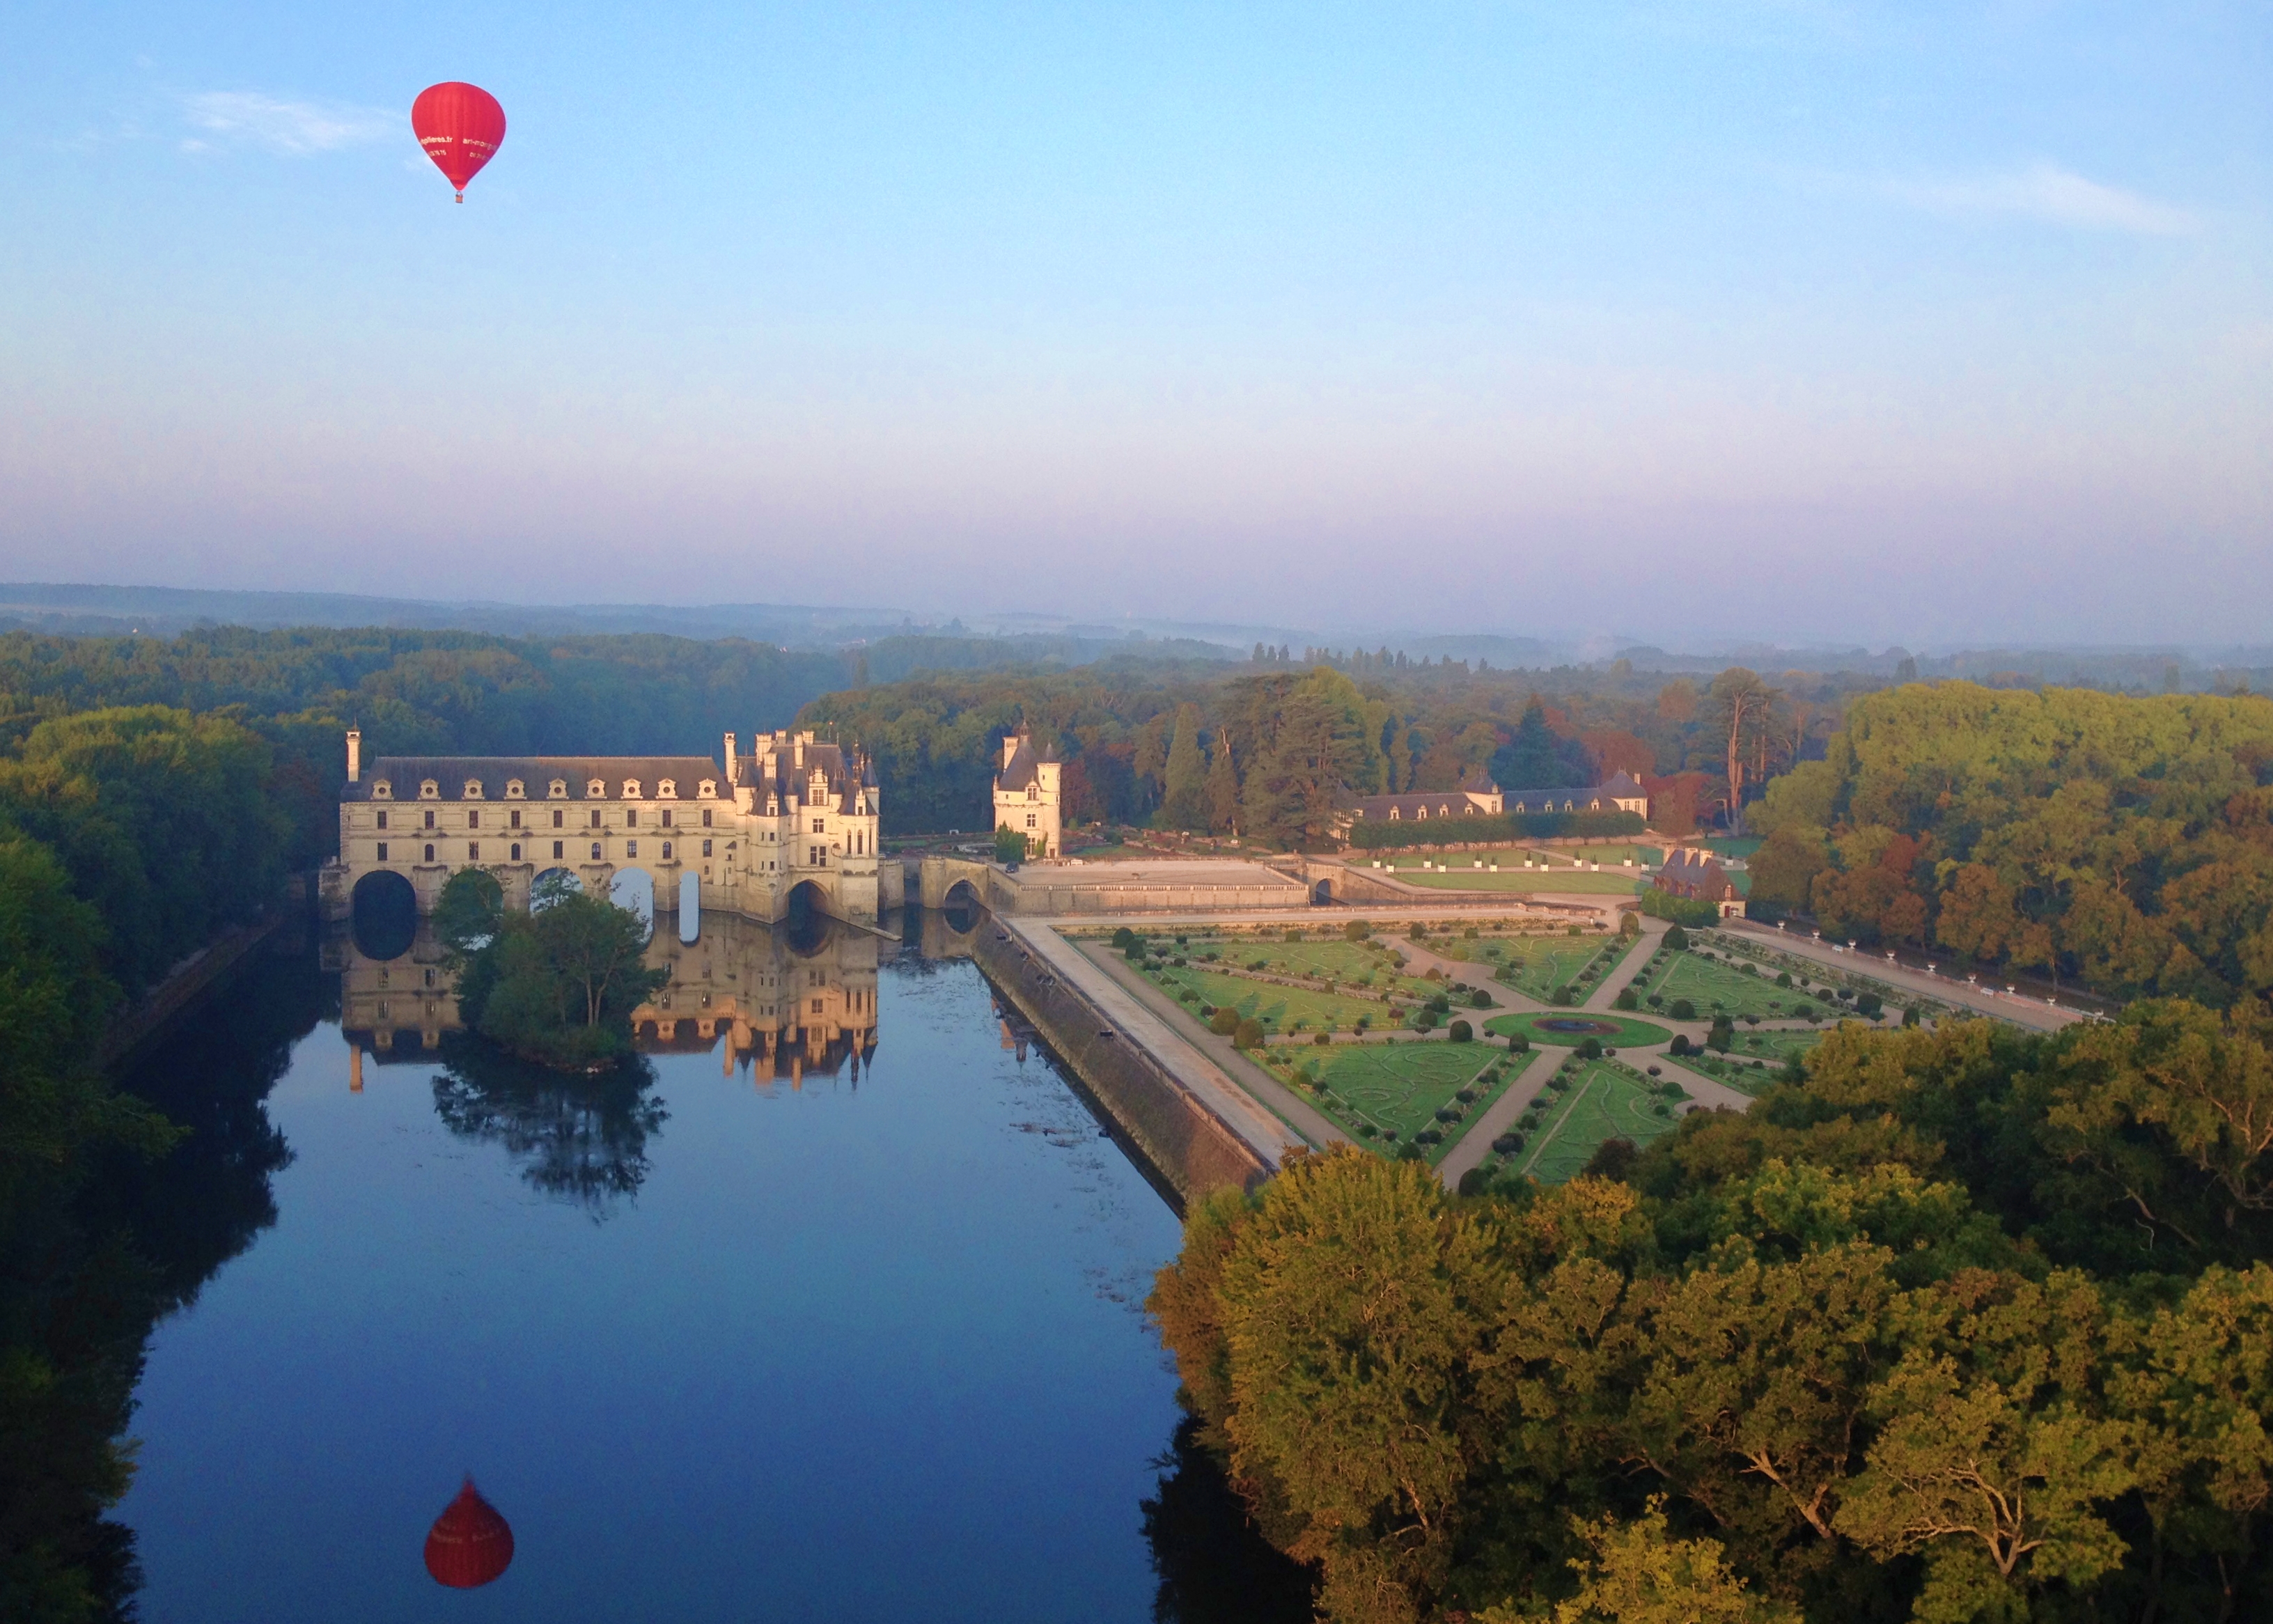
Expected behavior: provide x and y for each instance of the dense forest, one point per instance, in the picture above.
(1966, 1324)
(2124, 843)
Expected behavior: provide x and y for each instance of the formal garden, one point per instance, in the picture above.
(1691, 984)
(1585, 1104)
(1391, 1096)
(1540, 966)
(1754, 1060)
(1462, 872)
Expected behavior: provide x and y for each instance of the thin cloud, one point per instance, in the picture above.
(2045, 193)
(295, 128)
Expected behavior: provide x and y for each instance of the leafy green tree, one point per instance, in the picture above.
(1184, 803)
(1222, 786)
(1010, 844)
(1637, 1572)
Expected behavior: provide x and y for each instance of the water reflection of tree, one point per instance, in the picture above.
(580, 1139)
(97, 1253)
(1215, 1567)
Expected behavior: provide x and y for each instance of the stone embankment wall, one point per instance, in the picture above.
(1186, 1143)
(190, 982)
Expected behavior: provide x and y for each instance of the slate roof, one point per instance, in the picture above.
(1692, 871)
(1023, 768)
(404, 774)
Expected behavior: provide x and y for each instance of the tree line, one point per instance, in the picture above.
(1964, 1324)
(1246, 750)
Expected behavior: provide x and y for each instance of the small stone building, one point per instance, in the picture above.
(1027, 794)
(1694, 875)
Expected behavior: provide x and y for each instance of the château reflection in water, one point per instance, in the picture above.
(778, 1006)
(773, 1003)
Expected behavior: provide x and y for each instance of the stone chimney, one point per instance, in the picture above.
(355, 754)
(730, 758)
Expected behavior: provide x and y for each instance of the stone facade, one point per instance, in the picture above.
(1027, 794)
(794, 812)
(1694, 876)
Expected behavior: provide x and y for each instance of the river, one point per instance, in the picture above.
(802, 1333)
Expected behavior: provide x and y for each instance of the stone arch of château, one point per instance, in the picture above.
(386, 915)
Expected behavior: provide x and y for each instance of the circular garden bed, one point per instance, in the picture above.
(1570, 1031)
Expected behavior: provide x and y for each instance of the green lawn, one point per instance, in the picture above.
(1713, 984)
(1605, 1101)
(1736, 1069)
(1345, 963)
(1396, 1089)
(1279, 1009)
(1629, 1033)
(1536, 966)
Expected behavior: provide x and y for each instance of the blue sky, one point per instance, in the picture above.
(1823, 322)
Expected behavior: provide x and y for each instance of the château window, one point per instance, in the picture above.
(473, 789)
(382, 820)
(382, 851)
(381, 790)
(557, 851)
(558, 790)
(709, 788)
(596, 851)
(428, 790)
(668, 789)
(430, 853)
(630, 818)
(631, 789)
(631, 848)
(598, 789)
(516, 851)
(706, 817)
(666, 817)
(514, 790)
(595, 820)
(473, 820)
(1030, 820)
(430, 820)
(514, 818)
(556, 817)
(819, 826)
(706, 849)
(473, 851)
(666, 851)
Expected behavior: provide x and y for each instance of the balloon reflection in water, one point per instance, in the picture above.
(469, 1544)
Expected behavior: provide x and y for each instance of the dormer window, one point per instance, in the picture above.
(514, 790)
(1033, 792)
(631, 789)
(668, 789)
(428, 790)
(473, 789)
(381, 790)
(598, 789)
(558, 790)
(709, 789)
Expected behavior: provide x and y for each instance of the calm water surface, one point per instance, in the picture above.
(719, 1344)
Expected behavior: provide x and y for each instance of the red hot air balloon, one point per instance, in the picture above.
(469, 1544)
(460, 126)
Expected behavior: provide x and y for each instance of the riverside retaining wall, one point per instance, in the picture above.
(1186, 1143)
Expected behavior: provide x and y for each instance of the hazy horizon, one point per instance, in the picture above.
(1814, 323)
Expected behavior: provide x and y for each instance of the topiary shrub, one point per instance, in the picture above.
(1625, 1000)
(1248, 1034)
(1461, 1032)
(1518, 1043)
(1124, 938)
(1324, 1037)
(1590, 1048)
(1682, 1009)
(1508, 1144)
(1466, 1096)
(1223, 1022)
(1366, 1130)
(1422, 1019)
(1679, 1046)
(1676, 938)
(1479, 999)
